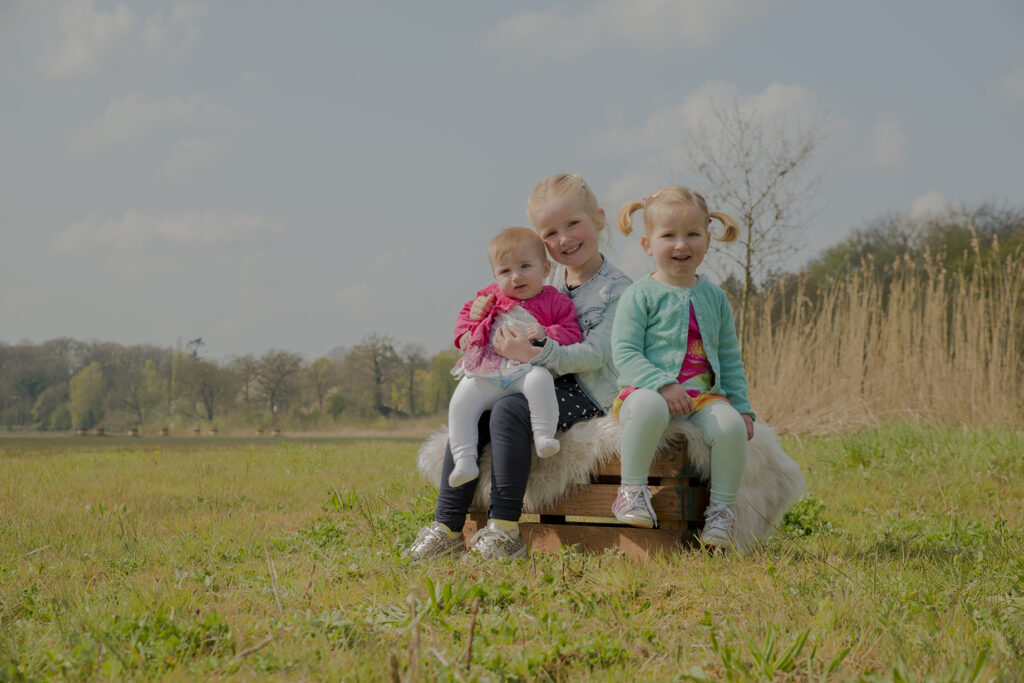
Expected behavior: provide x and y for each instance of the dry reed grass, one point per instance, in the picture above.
(924, 344)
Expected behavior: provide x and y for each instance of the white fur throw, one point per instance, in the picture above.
(771, 481)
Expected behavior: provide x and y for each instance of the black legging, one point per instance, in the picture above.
(507, 428)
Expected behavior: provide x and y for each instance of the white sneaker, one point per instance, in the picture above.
(465, 471)
(719, 520)
(546, 447)
(633, 506)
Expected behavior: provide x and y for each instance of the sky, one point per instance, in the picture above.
(299, 175)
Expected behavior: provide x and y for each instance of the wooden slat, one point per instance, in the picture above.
(595, 500)
(635, 543)
(666, 464)
(681, 502)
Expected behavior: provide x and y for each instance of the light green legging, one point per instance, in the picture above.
(644, 415)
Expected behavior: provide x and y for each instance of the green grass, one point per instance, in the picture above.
(178, 559)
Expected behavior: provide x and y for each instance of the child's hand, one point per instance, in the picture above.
(481, 307)
(513, 345)
(749, 422)
(535, 331)
(679, 402)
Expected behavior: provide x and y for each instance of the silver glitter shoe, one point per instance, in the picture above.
(492, 543)
(432, 542)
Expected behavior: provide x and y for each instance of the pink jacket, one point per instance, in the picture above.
(552, 309)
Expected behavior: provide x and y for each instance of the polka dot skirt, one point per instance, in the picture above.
(573, 404)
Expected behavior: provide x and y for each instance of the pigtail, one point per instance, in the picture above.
(732, 228)
(624, 220)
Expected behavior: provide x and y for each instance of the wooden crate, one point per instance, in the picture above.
(585, 518)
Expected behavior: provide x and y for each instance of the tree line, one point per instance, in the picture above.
(64, 384)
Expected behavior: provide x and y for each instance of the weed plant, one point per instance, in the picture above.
(185, 559)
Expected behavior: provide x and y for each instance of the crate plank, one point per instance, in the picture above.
(595, 500)
(665, 464)
(635, 543)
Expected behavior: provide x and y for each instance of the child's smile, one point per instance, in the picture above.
(678, 240)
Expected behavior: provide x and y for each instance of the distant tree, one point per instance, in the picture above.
(319, 377)
(246, 370)
(756, 169)
(336, 405)
(207, 388)
(959, 236)
(374, 362)
(277, 376)
(52, 399)
(136, 382)
(88, 394)
(440, 380)
(413, 359)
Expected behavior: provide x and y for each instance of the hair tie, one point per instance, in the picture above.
(643, 203)
(709, 220)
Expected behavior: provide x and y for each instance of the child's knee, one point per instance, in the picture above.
(538, 378)
(730, 424)
(647, 406)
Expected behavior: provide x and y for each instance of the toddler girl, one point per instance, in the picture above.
(521, 302)
(674, 344)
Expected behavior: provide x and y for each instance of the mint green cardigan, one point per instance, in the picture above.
(650, 330)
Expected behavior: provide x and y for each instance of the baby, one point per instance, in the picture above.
(523, 302)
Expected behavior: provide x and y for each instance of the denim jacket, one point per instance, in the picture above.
(590, 360)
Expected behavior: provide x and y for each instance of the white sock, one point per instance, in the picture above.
(466, 470)
(546, 447)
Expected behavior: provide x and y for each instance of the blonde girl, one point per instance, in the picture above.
(674, 344)
(566, 215)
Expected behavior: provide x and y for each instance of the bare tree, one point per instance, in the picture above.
(320, 376)
(375, 361)
(277, 375)
(756, 169)
(245, 368)
(414, 359)
(207, 387)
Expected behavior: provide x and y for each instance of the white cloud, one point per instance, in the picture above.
(776, 102)
(190, 155)
(928, 206)
(659, 143)
(639, 24)
(180, 30)
(129, 118)
(135, 231)
(85, 40)
(1011, 88)
(888, 143)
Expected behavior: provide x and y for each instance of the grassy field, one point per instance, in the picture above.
(243, 558)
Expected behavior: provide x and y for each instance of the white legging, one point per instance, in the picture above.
(475, 395)
(645, 416)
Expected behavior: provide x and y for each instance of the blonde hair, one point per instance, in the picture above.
(675, 194)
(510, 239)
(560, 186)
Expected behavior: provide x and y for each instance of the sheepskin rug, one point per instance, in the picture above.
(771, 481)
